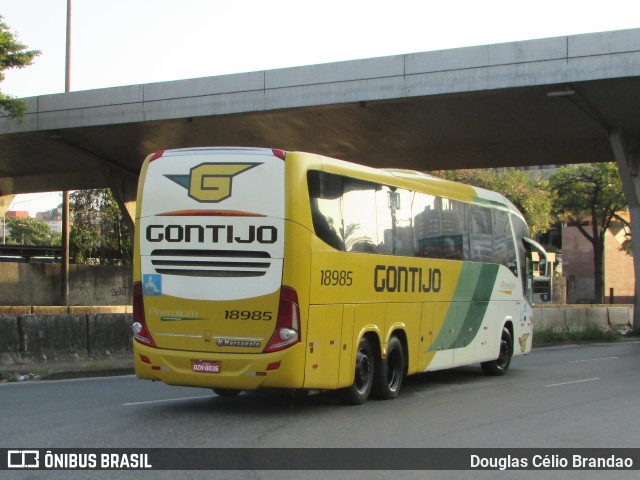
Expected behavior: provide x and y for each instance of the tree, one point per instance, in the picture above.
(13, 54)
(29, 231)
(98, 231)
(591, 197)
(530, 195)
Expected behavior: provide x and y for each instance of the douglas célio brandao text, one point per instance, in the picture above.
(550, 462)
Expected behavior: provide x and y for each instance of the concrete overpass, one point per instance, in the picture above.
(552, 101)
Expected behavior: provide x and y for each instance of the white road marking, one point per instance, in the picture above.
(165, 400)
(570, 383)
(592, 359)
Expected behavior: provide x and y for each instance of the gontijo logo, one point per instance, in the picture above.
(211, 182)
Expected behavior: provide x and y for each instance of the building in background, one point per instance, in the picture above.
(17, 214)
(577, 266)
(53, 218)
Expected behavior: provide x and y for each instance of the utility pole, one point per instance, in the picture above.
(64, 267)
(67, 76)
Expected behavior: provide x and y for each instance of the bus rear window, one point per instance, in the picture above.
(325, 193)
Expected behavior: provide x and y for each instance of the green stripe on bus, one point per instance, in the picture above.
(478, 306)
(468, 306)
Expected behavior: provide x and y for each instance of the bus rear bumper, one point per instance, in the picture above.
(284, 369)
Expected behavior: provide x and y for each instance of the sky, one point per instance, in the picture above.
(127, 42)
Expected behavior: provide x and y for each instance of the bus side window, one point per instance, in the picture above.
(398, 239)
(427, 225)
(360, 223)
(480, 234)
(504, 251)
(385, 218)
(453, 228)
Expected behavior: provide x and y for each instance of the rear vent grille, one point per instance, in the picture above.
(211, 263)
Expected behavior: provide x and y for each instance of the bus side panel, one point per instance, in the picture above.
(323, 346)
(487, 347)
(472, 315)
(443, 336)
(347, 355)
(475, 342)
(425, 355)
(406, 317)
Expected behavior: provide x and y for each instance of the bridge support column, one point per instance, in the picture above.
(124, 188)
(5, 203)
(626, 151)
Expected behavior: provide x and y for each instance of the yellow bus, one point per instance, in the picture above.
(261, 268)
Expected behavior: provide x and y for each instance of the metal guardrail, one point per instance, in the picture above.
(29, 251)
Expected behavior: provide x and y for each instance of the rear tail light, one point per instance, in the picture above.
(288, 327)
(157, 155)
(140, 330)
(279, 153)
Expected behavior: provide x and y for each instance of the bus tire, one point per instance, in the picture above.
(359, 391)
(389, 371)
(500, 365)
(226, 392)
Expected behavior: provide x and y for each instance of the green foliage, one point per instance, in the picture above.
(29, 231)
(593, 194)
(590, 192)
(98, 232)
(530, 195)
(13, 54)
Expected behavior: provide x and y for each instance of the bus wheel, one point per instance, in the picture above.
(388, 375)
(501, 364)
(358, 393)
(226, 392)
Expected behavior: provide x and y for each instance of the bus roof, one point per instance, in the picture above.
(421, 182)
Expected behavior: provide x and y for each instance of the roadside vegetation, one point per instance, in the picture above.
(591, 333)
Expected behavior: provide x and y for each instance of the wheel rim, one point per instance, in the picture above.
(363, 371)
(394, 370)
(504, 353)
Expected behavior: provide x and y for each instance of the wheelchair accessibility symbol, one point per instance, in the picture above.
(152, 285)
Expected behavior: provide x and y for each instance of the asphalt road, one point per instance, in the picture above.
(569, 396)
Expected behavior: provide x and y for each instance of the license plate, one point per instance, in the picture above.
(205, 366)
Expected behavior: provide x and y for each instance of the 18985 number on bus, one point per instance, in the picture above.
(336, 277)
